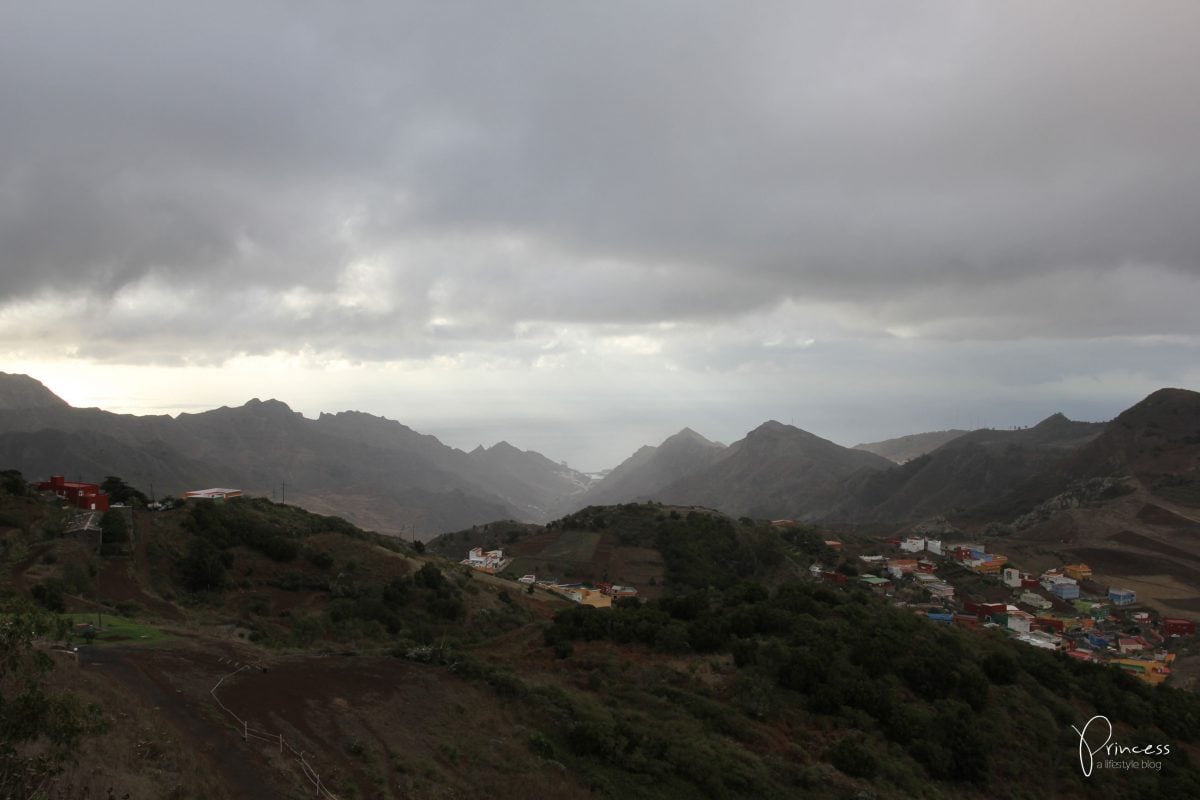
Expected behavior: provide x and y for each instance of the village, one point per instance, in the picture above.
(598, 595)
(1062, 609)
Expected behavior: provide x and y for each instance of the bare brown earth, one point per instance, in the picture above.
(370, 726)
(1140, 542)
(116, 582)
(164, 739)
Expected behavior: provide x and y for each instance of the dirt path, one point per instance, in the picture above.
(175, 684)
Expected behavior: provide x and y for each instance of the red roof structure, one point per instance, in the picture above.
(87, 496)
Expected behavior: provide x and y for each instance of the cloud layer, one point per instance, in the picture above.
(705, 184)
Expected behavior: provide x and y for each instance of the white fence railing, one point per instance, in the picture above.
(274, 738)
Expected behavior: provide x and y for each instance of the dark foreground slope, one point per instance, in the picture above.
(399, 675)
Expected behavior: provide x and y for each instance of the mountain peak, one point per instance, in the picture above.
(21, 391)
(685, 436)
(774, 428)
(269, 407)
(1053, 421)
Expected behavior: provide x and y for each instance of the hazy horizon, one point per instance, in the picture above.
(553, 441)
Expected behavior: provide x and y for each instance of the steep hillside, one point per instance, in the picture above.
(370, 469)
(970, 470)
(537, 486)
(1127, 503)
(651, 469)
(22, 391)
(905, 448)
(1156, 441)
(775, 471)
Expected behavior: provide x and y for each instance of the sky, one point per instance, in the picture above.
(580, 227)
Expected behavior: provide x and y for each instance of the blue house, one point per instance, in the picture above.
(1066, 591)
(1122, 597)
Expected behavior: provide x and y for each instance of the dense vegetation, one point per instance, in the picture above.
(741, 682)
(38, 727)
(906, 702)
(392, 601)
(699, 547)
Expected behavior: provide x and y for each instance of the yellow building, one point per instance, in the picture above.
(1152, 672)
(583, 595)
(1080, 572)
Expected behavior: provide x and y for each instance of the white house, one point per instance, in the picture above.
(1052, 579)
(1034, 599)
(1019, 621)
(934, 546)
(477, 558)
(913, 544)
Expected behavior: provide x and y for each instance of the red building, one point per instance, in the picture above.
(1178, 627)
(81, 495)
(992, 610)
(836, 578)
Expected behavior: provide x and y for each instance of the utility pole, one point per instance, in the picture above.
(283, 489)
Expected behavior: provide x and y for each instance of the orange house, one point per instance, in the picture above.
(1080, 572)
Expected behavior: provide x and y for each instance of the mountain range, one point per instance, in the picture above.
(385, 476)
(374, 471)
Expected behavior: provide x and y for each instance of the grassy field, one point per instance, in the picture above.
(573, 546)
(120, 629)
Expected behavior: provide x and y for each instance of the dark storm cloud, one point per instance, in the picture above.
(937, 170)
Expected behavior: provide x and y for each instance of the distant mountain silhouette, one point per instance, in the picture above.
(371, 470)
(776, 470)
(22, 391)
(651, 469)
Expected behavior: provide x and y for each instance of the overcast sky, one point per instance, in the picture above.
(582, 226)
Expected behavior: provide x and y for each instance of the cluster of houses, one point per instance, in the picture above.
(598, 595)
(1061, 609)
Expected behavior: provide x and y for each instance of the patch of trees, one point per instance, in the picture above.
(114, 532)
(701, 550)
(403, 603)
(12, 482)
(948, 699)
(247, 523)
(203, 566)
(39, 727)
(119, 491)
